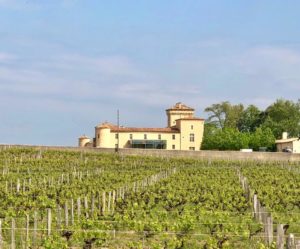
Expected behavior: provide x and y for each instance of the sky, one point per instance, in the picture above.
(68, 65)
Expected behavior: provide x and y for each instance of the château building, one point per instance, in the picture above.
(183, 132)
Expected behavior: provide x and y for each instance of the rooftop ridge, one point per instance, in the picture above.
(180, 106)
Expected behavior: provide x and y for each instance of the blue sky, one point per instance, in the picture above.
(67, 65)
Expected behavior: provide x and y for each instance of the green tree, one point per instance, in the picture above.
(210, 136)
(283, 115)
(262, 138)
(233, 115)
(224, 139)
(218, 113)
(231, 127)
(250, 119)
(232, 139)
(224, 114)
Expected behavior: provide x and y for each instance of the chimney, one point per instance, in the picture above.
(284, 135)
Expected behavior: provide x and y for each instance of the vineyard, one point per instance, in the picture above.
(61, 199)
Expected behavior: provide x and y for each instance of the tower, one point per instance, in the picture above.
(83, 141)
(179, 111)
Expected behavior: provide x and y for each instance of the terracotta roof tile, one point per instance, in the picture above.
(84, 136)
(105, 125)
(134, 129)
(192, 118)
(115, 128)
(180, 106)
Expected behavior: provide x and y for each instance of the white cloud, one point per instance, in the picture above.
(7, 2)
(276, 60)
(248, 77)
(272, 67)
(112, 65)
(243, 74)
(93, 87)
(35, 4)
(18, 4)
(6, 57)
(80, 84)
(72, 78)
(68, 3)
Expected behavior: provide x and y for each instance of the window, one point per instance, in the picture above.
(159, 136)
(145, 136)
(116, 135)
(191, 148)
(173, 136)
(173, 146)
(148, 144)
(116, 146)
(192, 127)
(192, 137)
(130, 136)
(98, 136)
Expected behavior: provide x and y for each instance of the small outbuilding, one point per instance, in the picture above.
(288, 144)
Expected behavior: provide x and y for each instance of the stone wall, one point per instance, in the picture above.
(220, 155)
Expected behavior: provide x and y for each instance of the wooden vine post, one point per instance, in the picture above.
(78, 208)
(93, 206)
(109, 201)
(58, 216)
(1, 236)
(290, 241)
(103, 203)
(35, 227)
(49, 220)
(269, 230)
(66, 215)
(27, 230)
(13, 235)
(113, 201)
(261, 214)
(72, 212)
(280, 237)
(18, 185)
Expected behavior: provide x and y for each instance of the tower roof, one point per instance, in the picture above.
(84, 137)
(180, 107)
(104, 125)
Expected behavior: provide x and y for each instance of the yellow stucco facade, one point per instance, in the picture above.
(184, 132)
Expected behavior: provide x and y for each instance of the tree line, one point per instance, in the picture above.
(233, 127)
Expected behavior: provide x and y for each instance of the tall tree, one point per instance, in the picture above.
(218, 113)
(225, 139)
(250, 119)
(210, 136)
(233, 115)
(262, 138)
(224, 115)
(283, 115)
